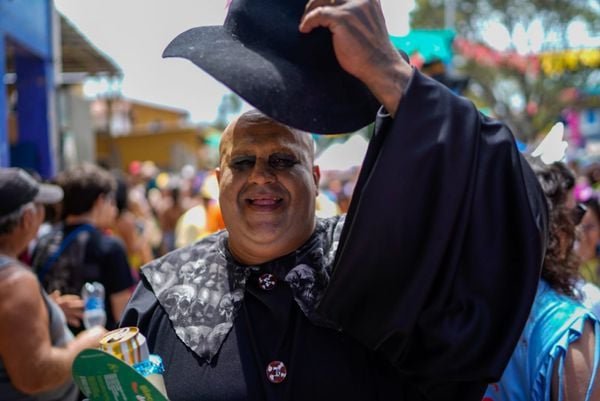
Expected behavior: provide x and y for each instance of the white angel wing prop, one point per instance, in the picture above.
(553, 147)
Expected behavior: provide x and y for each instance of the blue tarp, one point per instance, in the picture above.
(432, 45)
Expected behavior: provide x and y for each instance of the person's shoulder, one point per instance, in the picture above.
(108, 242)
(108, 250)
(14, 270)
(548, 297)
(16, 281)
(20, 302)
(554, 313)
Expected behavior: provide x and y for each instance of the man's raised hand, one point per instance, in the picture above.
(362, 45)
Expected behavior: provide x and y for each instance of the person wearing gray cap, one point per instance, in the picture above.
(36, 347)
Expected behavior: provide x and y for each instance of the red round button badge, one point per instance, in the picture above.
(276, 372)
(267, 281)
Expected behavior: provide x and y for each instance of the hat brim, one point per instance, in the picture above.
(48, 194)
(319, 100)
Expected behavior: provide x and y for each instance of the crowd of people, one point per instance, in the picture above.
(461, 269)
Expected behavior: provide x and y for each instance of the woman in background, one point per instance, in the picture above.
(589, 237)
(557, 355)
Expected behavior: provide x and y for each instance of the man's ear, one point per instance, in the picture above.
(27, 218)
(317, 177)
(99, 200)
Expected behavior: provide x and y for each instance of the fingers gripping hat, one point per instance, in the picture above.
(292, 77)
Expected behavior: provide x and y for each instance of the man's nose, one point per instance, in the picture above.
(261, 173)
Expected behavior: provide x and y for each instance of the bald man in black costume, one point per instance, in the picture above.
(419, 293)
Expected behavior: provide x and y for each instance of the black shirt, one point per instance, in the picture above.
(321, 362)
(92, 256)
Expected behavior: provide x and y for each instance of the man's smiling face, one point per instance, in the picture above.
(267, 187)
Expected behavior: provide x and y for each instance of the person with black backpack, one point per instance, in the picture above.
(77, 251)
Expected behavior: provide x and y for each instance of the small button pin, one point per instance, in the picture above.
(267, 281)
(276, 372)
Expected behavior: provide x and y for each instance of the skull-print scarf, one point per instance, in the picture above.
(201, 287)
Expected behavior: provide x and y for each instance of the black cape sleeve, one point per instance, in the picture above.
(441, 253)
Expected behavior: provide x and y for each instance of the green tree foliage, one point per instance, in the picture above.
(497, 88)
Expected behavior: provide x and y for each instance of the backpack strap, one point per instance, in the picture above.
(63, 245)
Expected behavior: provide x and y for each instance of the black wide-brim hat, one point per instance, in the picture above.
(294, 78)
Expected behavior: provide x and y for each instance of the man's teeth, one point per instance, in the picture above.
(265, 201)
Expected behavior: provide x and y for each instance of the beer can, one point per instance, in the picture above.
(127, 344)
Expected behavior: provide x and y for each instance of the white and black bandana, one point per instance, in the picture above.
(201, 287)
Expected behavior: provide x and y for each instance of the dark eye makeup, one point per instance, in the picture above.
(276, 161)
(281, 161)
(242, 163)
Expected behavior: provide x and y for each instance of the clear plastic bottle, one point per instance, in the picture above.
(94, 313)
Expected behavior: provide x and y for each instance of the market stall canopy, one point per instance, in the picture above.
(78, 54)
(431, 51)
(428, 45)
